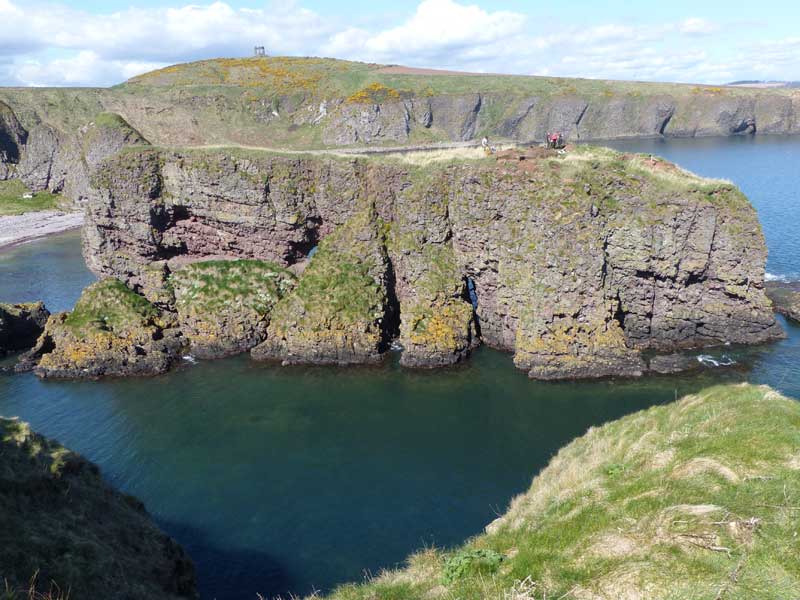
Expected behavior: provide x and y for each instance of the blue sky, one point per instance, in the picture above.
(91, 42)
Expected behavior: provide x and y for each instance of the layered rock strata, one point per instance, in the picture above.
(578, 262)
(62, 528)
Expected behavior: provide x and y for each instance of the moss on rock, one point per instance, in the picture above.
(224, 306)
(338, 311)
(111, 331)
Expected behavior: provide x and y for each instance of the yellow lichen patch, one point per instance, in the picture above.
(440, 328)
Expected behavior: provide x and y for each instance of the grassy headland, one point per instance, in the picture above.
(696, 499)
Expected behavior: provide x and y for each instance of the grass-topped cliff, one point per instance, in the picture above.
(358, 82)
(295, 102)
(696, 499)
(580, 260)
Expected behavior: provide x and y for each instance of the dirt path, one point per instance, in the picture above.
(361, 150)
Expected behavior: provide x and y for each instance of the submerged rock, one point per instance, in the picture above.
(21, 325)
(224, 306)
(63, 526)
(785, 297)
(111, 331)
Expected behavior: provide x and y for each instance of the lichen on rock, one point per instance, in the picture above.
(578, 261)
(111, 331)
(224, 306)
(339, 313)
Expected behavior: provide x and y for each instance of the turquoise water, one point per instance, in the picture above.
(293, 479)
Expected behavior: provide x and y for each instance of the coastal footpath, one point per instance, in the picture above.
(65, 533)
(581, 264)
(695, 499)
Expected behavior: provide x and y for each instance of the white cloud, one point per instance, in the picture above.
(697, 26)
(439, 32)
(55, 44)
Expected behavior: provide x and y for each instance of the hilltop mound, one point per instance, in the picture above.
(695, 499)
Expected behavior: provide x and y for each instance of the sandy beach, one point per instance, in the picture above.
(17, 229)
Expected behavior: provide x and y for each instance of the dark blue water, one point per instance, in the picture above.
(289, 479)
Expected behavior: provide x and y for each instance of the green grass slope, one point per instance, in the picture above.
(698, 499)
(13, 201)
(328, 77)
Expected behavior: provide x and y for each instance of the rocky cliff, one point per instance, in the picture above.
(577, 262)
(54, 138)
(111, 331)
(63, 526)
(61, 160)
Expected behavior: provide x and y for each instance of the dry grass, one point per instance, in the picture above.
(32, 591)
(423, 158)
(692, 500)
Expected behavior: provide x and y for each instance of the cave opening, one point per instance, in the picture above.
(391, 317)
(620, 314)
(471, 295)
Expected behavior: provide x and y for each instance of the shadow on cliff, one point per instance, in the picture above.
(224, 574)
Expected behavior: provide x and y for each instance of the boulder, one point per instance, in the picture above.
(111, 331)
(21, 325)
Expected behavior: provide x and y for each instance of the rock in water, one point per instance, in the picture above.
(339, 313)
(438, 325)
(578, 261)
(61, 523)
(111, 331)
(224, 306)
(785, 298)
(21, 325)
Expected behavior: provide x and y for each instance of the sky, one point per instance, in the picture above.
(99, 43)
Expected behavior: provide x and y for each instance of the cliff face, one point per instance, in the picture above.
(578, 262)
(61, 523)
(54, 138)
(61, 160)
